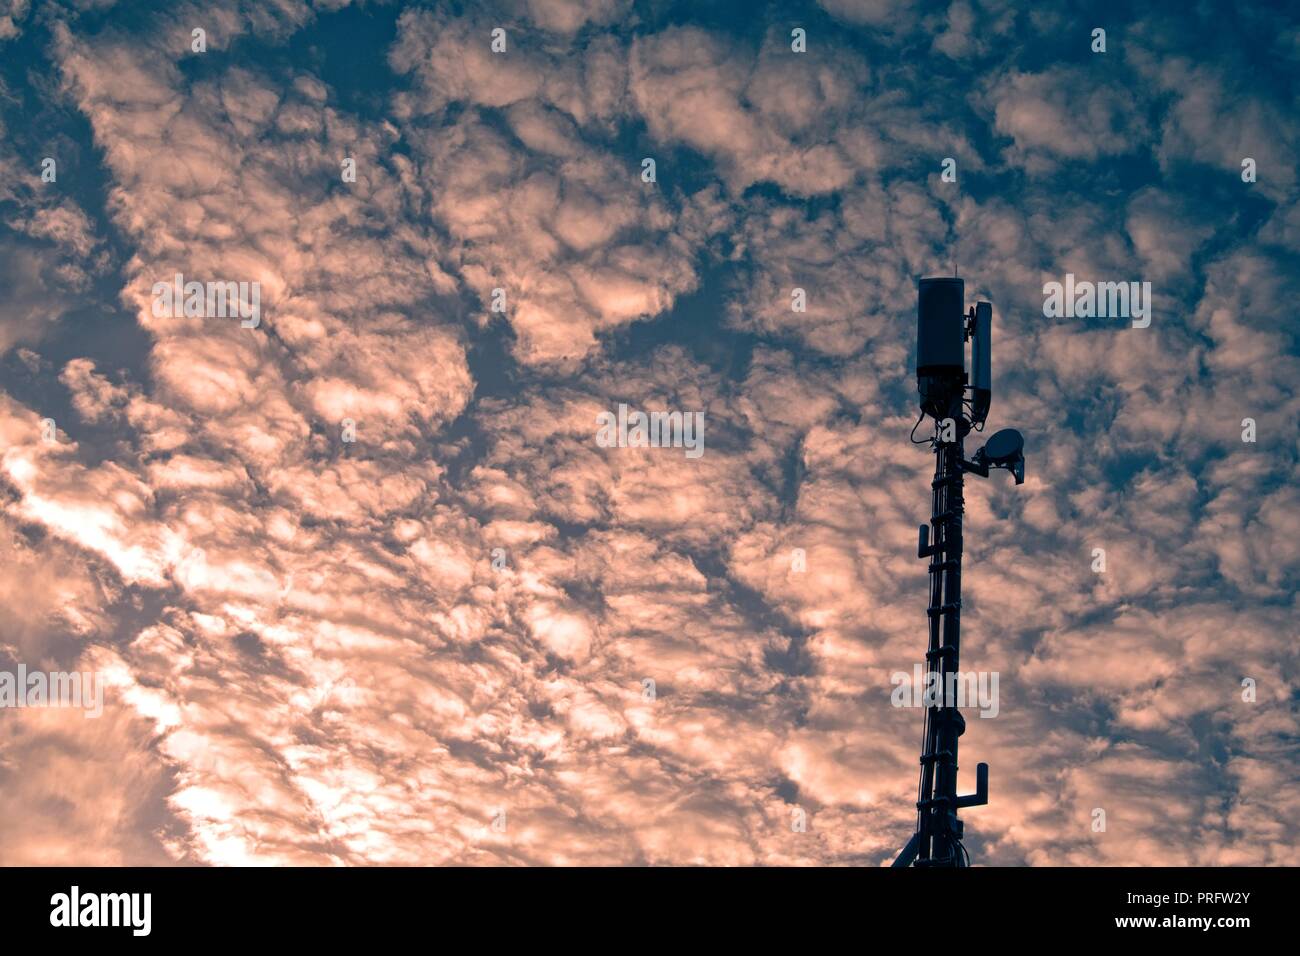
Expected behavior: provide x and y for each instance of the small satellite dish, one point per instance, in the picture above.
(1004, 447)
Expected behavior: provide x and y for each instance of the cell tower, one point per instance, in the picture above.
(943, 329)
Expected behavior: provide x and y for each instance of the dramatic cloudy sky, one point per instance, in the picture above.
(309, 655)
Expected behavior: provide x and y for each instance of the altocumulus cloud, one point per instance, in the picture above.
(365, 589)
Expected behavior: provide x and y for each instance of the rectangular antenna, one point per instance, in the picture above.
(981, 363)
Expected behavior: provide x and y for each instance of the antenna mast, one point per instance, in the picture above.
(942, 333)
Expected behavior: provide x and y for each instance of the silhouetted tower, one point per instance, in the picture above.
(942, 332)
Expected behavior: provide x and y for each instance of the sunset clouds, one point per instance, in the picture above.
(460, 630)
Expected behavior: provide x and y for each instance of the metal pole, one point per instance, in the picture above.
(937, 824)
(942, 382)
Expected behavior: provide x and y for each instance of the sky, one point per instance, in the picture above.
(362, 586)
